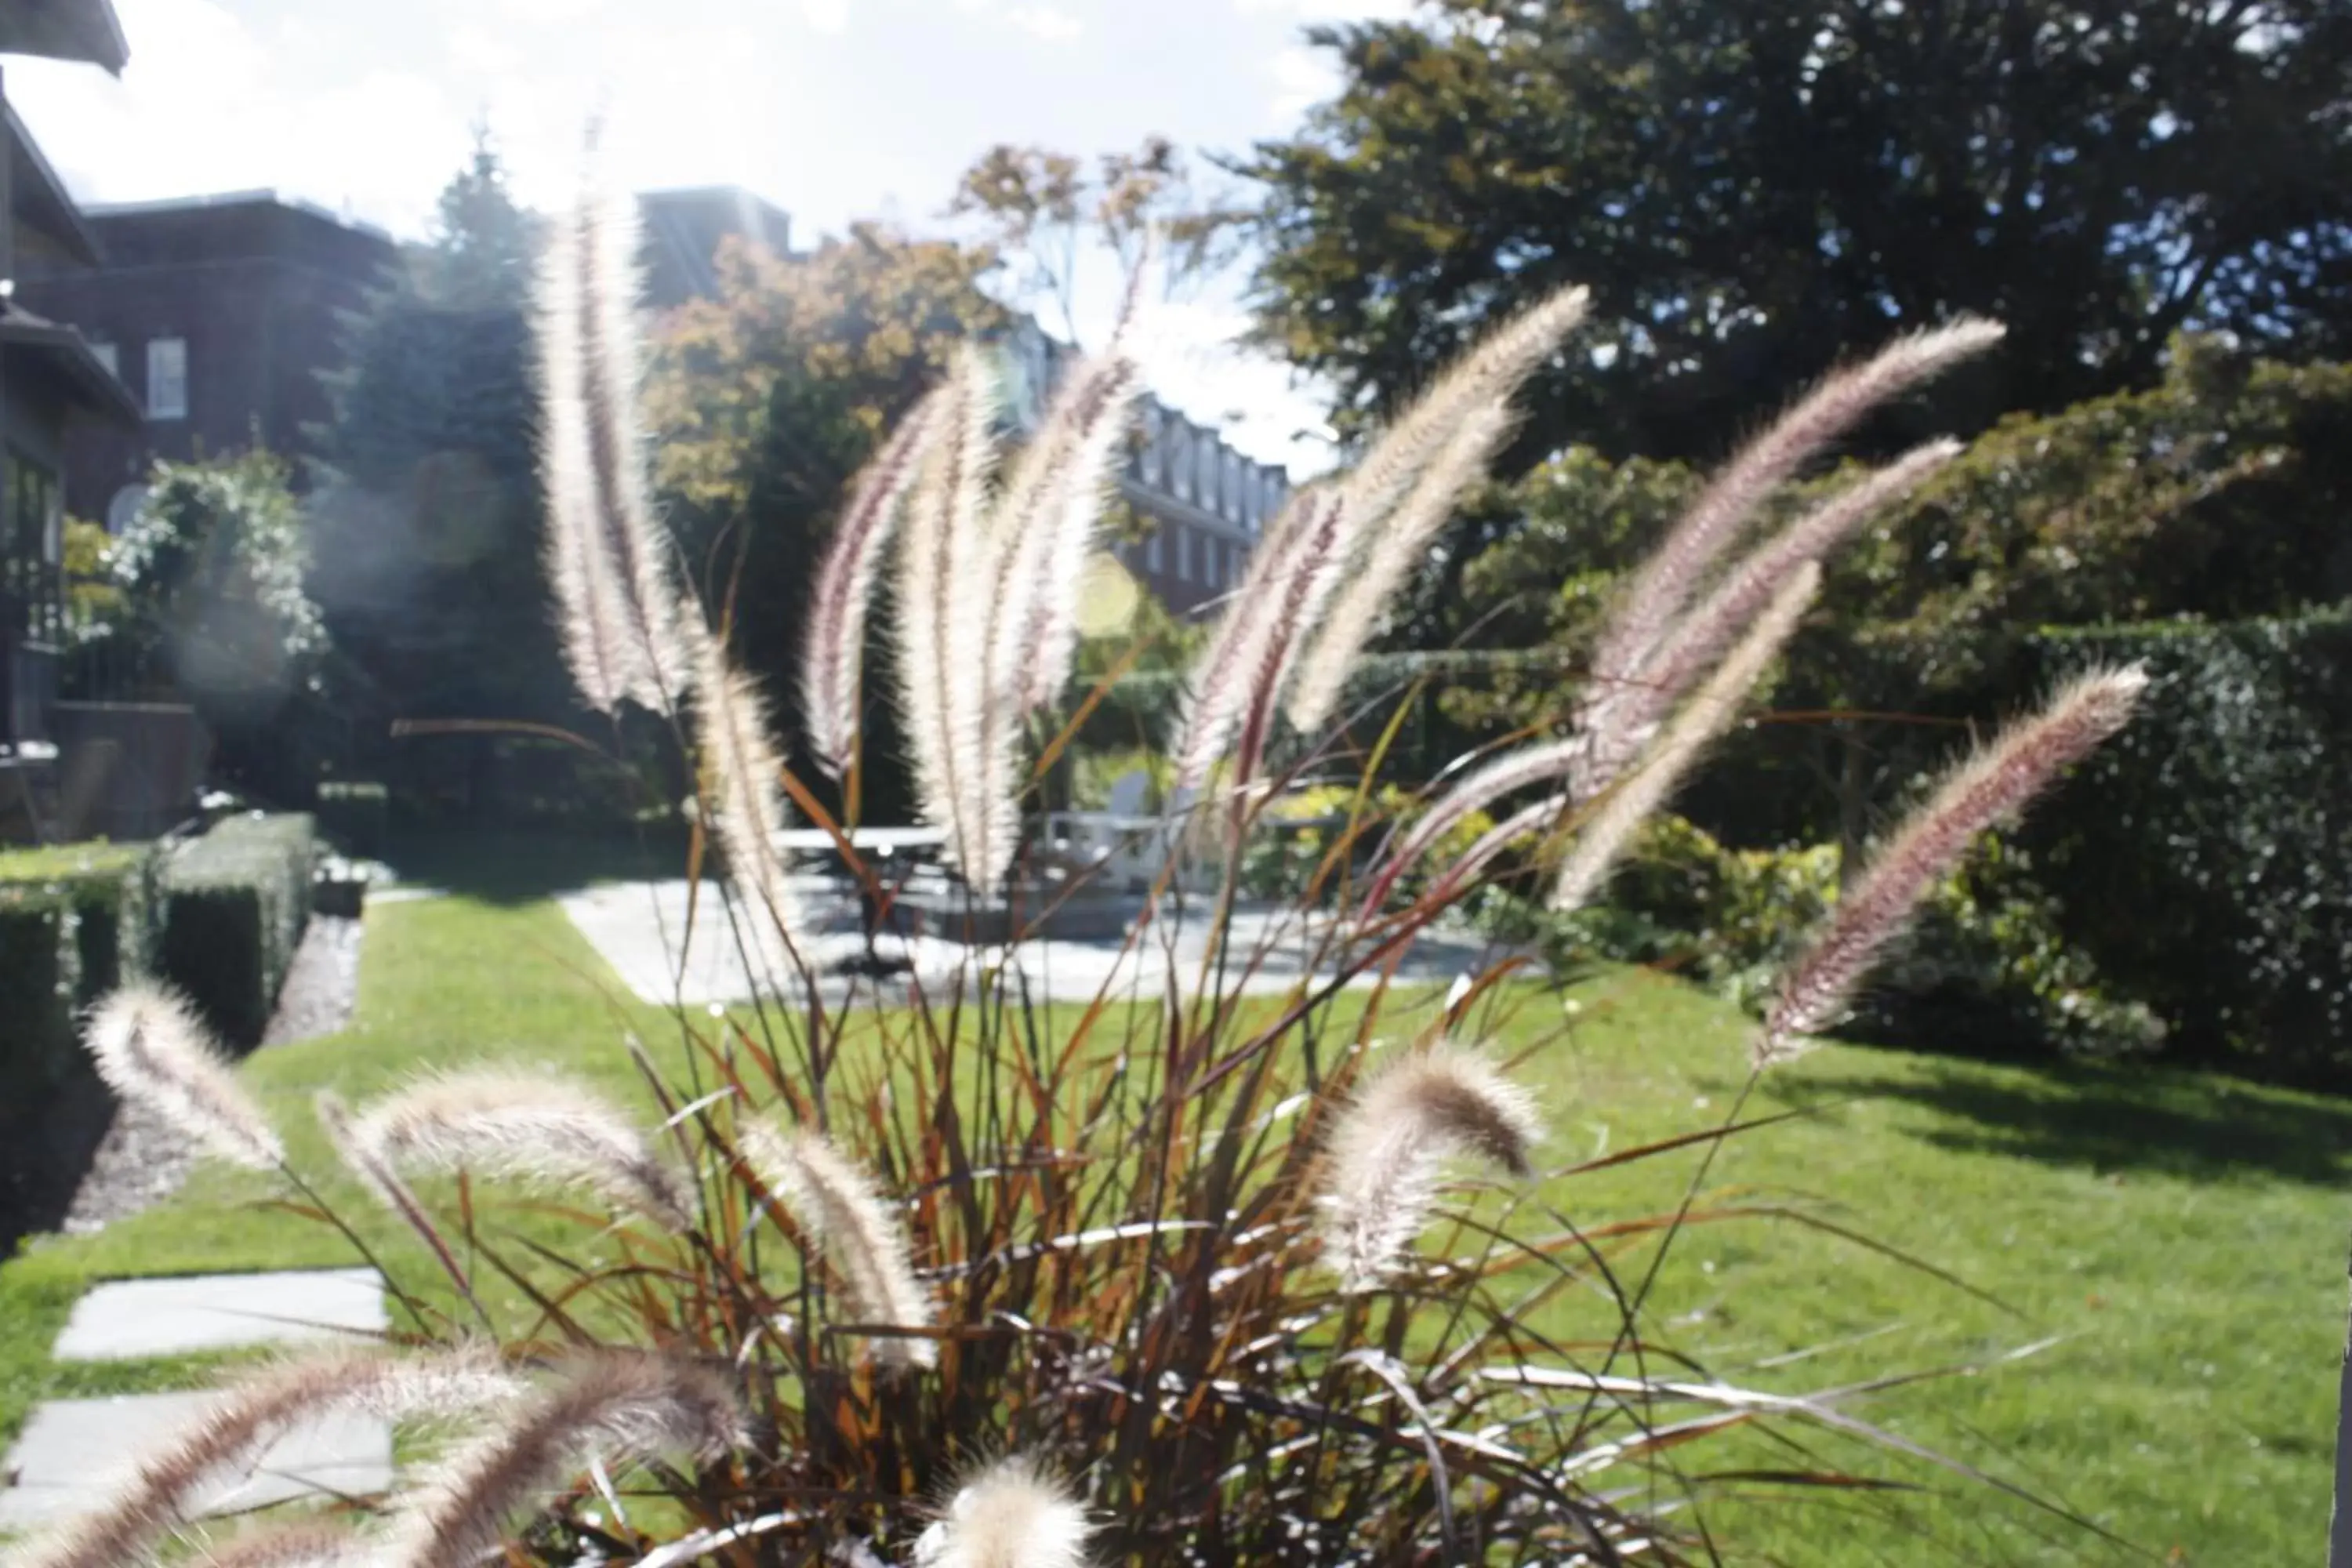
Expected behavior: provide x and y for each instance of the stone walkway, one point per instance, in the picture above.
(72, 1451)
(638, 927)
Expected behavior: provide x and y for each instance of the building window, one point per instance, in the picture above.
(1213, 565)
(1151, 553)
(1150, 465)
(31, 582)
(1183, 553)
(1179, 472)
(1208, 481)
(104, 354)
(167, 378)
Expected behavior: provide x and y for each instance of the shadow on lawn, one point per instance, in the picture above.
(520, 867)
(2145, 1120)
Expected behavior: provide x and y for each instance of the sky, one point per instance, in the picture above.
(835, 110)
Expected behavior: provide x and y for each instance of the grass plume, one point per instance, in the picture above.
(834, 653)
(944, 632)
(1665, 583)
(1011, 1515)
(1394, 549)
(1633, 799)
(305, 1544)
(1388, 1147)
(166, 1485)
(536, 1127)
(609, 554)
(743, 791)
(612, 1408)
(151, 1049)
(1981, 792)
(1299, 539)
(846, 1218)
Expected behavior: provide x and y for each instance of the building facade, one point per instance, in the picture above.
(219, 315)
(1204, 504)
(54, 391)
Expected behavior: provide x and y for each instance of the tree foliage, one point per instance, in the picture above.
(1755, 190)
(427, 513)
(766, 398)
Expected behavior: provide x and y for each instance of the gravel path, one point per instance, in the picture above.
(144, 1158)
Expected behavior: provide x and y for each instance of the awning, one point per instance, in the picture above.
(66, 354)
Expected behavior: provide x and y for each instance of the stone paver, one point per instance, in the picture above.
(73, 1451)
(637, 927)
(220, 1311)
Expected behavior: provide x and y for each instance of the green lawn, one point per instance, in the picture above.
(2177, 1236)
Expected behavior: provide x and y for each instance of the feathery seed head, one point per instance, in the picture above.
(1011, 1515)
(1486, 376)
(835, 649)
(538, 1127)
(743, 774)
(1390, 555)
(1621, 715)
(1655, 601)
(608, 553)
(301, 1545)
(845, 1217)
(169, 1482)
(1981, 792)
(1390, 1145)
(611, 1407)
(1710, 711)
(150, 1046)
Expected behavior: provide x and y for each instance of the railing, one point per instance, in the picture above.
(28, 681)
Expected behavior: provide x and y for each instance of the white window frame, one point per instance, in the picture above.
(165, 379)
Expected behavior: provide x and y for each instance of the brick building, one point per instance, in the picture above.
(218, 313)
(1207, 503)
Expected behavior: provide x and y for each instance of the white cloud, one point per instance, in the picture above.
(1329, 10)
(825, 16)
(1302, 79)
(1193, 361)
(1047, 22)
(207, 105)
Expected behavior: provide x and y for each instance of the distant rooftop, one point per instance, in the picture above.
(65, 30)
(263, 197)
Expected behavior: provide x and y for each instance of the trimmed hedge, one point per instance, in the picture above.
(71, 922)
(234, 904)
(2205, 855)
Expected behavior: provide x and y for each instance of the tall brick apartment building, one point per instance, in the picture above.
(217, 312)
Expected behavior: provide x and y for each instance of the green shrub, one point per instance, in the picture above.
(2204, 852)
(1984, 968)
(234, 906)
(354, 813)
(1282, 861)
(73, 921)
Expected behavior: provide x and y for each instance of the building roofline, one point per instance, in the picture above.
(263, 196)
(72, 223)
(97, 386)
